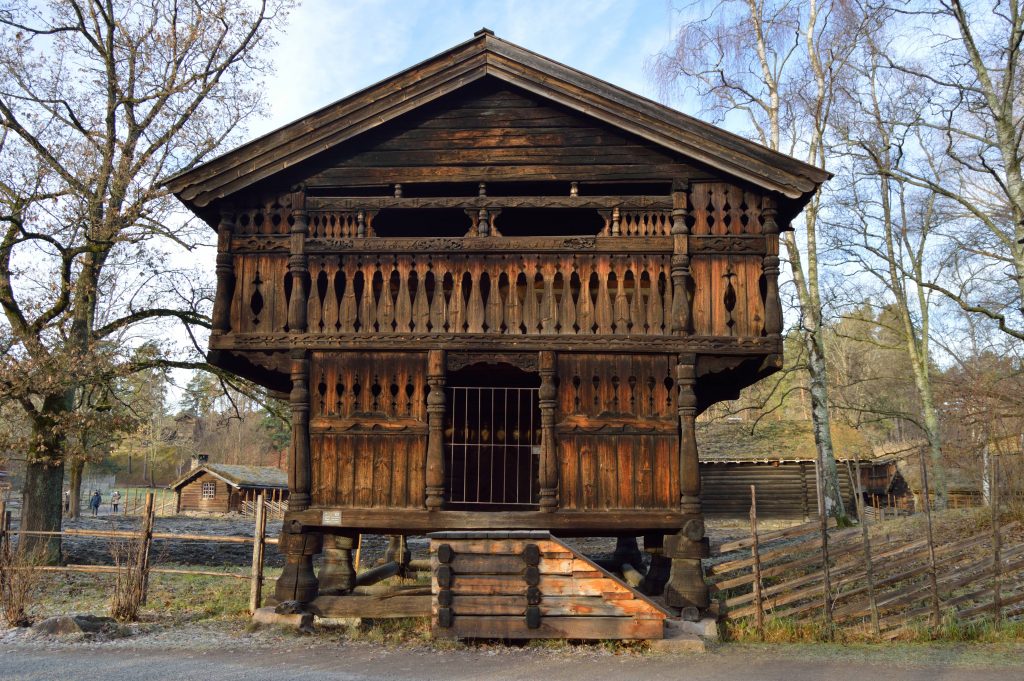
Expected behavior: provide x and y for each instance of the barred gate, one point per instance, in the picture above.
(492, 444)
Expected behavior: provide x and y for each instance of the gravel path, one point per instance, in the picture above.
(298, 661)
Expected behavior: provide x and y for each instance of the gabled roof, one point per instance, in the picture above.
(488, 56)
(770, 441)
(238, 476)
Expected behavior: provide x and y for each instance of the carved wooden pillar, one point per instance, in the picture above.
(680, 323)
(770, 267)
(225, 274)
(297, 581)
(299, 464)
(685, 585)
(298, 267)
(689, 464)
(337, 574)
(435, 430)
(548, 473)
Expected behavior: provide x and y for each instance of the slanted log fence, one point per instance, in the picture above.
(884, 585)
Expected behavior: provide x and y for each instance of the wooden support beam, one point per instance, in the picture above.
(689, 463)
(770, 267)
(548, 449)
(221, 318)
(681, 306)
(298, 267)
(299, 465)
(434, 486)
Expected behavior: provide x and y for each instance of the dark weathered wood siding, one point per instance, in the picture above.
(786, 490)
(192, 495)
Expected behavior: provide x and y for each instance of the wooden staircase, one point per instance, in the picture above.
(528, 584)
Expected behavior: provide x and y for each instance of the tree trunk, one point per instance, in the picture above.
(821, 424)
(76, 469)
(43, 498)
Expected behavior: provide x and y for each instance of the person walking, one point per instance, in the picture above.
(67, 502)
(94, 502)
(115, 499)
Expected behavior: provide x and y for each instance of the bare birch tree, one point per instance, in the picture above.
(884, 224)
(971, 139)
(775, 64)
(100, 100)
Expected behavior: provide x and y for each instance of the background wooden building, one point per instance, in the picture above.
(779, 458)
(498, 292)
(225, 488)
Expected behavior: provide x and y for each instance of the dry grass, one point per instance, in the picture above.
(130, 581)
(18, 578)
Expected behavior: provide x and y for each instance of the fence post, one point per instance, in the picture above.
(932, 575)
(755, 553)
(258, 545)
(869, 569)
(147, 544)
(997, 568)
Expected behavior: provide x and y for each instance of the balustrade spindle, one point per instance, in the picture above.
(530, 312)
(438, 313)
(566, 307)
(385, 304)
(347, 311)
(475, 306)
(603, 311)
(548, 308)
(420, 304)
(621, 302)
(367, 305)
(513, 312)
(655, 313)
(493, 314)
(636, 307)
(585, 308)
(329, 318)
(403, 304)
(456, 303)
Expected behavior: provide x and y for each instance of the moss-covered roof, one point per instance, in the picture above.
(768, 440)
(264, 477)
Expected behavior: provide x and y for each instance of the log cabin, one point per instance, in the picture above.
(227, 488)
(497, 292)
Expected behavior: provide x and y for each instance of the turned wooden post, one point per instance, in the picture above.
(221, 320)
(548, 473)
(337, 572)
(770, 268)
(299, 466)
(435, 430)
(298, 267)
(689, 463)
(680, 273)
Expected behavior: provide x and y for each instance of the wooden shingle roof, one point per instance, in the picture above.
(488, 56)
(259, 477)
(771, 441)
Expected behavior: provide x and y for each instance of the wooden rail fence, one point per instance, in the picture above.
(851, 579)
(147, 535)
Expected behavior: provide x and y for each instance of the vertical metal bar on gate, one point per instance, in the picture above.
(488, 463)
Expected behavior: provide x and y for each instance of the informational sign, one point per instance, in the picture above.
(331, 518)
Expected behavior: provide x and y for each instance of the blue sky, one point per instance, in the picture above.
(333, 48)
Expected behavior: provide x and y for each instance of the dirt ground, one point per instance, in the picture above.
(96, 551)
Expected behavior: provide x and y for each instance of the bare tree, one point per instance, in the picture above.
(971, 142)
(884, 224)
(99, 100)
(776, 62)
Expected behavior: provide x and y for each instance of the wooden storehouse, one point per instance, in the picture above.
(498, 292)
(779, 459)
(227, 488)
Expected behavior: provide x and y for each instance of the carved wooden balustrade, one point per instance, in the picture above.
(707, 269)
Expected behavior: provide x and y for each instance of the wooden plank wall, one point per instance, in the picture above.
(492, 131)
(192, 495)
(368, 429)
(727, 297)
(617, 432)
(784, 491)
